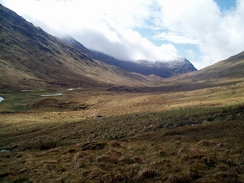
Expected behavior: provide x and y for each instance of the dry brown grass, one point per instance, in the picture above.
(194, 136)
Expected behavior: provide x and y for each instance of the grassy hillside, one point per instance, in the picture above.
(30, 58)
(231, 68)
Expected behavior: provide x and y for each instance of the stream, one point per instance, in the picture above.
(52, 95)
(1, 99)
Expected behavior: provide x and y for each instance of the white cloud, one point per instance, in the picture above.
(174, 37)
(218, 34)
(129, 45)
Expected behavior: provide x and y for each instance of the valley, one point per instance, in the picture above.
(101, 135)
(69, 115)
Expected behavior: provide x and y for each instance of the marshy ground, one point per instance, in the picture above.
(101, 135)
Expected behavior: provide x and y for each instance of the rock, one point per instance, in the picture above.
(99, 116)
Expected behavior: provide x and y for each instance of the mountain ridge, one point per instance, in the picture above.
(159, 68)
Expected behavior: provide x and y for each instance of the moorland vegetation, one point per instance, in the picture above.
(98, 135)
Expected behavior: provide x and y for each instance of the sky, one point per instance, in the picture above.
(203, 31)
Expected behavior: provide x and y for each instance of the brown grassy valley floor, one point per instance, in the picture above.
(101, 135)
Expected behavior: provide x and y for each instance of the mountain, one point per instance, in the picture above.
(232, 67)
(162, 69)
(228, 69)
(227, 72)
(30, 57)
(72, 42)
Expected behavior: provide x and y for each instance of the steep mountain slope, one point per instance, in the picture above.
(231, 68)
(162, 69)
(29, 57)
